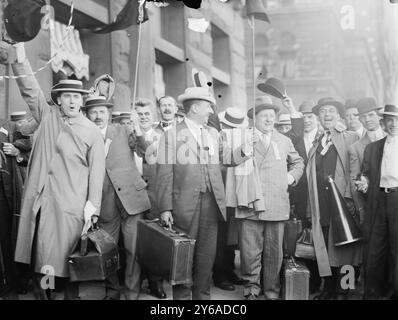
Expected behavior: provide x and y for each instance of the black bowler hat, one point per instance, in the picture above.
(366, 105)
(22, 19)
(328, 101)
(67, 86)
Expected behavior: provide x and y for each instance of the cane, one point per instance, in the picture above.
(2, 268)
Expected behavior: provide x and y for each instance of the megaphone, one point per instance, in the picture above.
(344, 227)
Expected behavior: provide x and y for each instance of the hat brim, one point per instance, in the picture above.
(100, 104)
(243, 124)
(338, 105)
(369, 110)
(395, 114)
(56, 92)
(271, 90)
(185, 97)
(261, 108)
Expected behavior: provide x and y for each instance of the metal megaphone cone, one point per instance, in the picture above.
(345, 229)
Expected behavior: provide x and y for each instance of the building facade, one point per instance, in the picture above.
(169, 51)
(322, 48)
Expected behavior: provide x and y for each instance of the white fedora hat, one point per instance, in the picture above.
(234, 117)
(200, 93)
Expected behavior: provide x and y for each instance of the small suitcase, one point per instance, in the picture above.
(94, 257)
(165, 253)
(293, 229)
(295, 281)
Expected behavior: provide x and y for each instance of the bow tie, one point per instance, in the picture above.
(165, 124)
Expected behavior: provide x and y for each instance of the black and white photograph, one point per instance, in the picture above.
(218, 151)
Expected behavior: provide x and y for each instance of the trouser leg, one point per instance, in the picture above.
(251, 239)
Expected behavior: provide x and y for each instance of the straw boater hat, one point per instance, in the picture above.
(233, 117)
(366, 105)
(328, 101)
(263, 103)
(390, 110)
(197, 93)
(97, 101)
(67, 86)
(18, 115)
(115, 114)
(283, 119)
(123, 115)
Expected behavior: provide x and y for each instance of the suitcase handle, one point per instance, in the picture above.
(84, 239)
(177, 233)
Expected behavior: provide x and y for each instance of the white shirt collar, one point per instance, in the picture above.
(311, 135)
(193, 125)
(103, 132)
(376, 135)
(360, 131)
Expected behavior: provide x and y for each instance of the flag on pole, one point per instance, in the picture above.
(255, 8)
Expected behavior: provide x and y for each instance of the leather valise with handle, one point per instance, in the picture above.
(94, 257)
(295, 280)
(165, 253)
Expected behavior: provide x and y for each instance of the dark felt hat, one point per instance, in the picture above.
(22, 19)
(328, 101)
(273, 87)
(306, 106)
(390, 110)
(366, 105)
(263, 103)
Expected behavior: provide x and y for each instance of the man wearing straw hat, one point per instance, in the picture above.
(189, 187)
(66, 173)
(261, 234)
(124, 195)
(380, 227)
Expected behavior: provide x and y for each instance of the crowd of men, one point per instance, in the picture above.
(192, 171)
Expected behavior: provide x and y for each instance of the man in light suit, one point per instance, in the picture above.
(380, 228)
(261, 235)
(189, 186)
(329, 157)
(370, 118)
(124, 195)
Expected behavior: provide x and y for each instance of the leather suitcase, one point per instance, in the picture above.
(94, 257)
(295, 281)
(165, 253)
(293, 229)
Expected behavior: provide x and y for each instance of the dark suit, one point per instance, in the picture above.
(194, 191)
(124, 197)
(11, 182)
(380, 227)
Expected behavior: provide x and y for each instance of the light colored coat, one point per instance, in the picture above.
(66, 169)
(273, 167)
(331, 256)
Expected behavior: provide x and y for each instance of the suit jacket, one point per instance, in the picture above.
(371, 168)
(300, 191)
(356, 152)
(272, 169)
(178, 174)
(331, 256)
(297, 130)
(121, 170)
(12, 173)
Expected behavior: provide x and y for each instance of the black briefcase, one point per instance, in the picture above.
(165, 253)
(94, 257)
